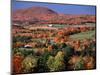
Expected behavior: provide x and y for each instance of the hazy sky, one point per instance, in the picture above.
(60, 8)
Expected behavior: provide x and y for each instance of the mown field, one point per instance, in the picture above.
(84, 35)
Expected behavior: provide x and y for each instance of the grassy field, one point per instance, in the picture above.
(83, 35)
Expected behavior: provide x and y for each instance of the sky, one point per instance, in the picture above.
(60, 8)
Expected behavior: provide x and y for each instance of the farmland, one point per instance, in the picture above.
(84, 35)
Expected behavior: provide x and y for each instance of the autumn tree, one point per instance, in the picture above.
(29, 64)
(56, 63)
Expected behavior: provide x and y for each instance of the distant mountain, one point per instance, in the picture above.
(43, 15)
(34, 13)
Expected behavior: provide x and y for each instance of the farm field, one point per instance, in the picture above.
(84, 35)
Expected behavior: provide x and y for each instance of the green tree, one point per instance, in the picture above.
(56, 63)
(42, 67)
